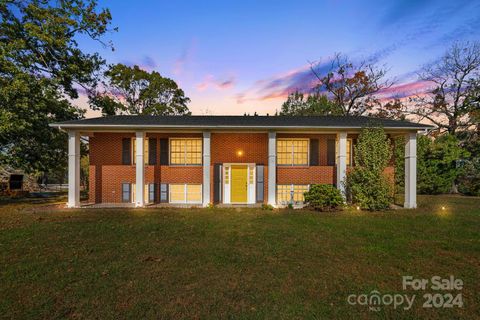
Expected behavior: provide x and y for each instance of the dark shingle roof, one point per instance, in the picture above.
(136, 121)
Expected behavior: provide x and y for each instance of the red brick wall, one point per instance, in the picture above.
(322, 174)
(224, 148)
(107, 172)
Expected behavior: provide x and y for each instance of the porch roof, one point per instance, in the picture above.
(235, 122)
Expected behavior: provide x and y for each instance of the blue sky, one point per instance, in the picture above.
(233, 57)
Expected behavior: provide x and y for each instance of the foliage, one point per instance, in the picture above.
(437, 163)
(267, 207)
(469, 181)
(131, 90)
(323, 197)
(84, 171)
(369, 190)
(41, 68)
(297, 104)
(366, 183)
(351, 85)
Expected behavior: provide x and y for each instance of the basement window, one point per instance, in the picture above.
(291, 193)
(185, 193)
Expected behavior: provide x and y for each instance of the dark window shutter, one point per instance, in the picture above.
(126, 151)
(164, 152)
(163, 192)
(152, 151)
(331, 152)
(260, 183)
(217, 183)
(314, 152)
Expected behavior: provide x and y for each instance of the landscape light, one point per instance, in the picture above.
(358, 208)
(443, 208)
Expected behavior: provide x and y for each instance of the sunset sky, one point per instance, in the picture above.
(233, 57)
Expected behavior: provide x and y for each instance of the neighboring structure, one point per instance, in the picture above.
(197, 160)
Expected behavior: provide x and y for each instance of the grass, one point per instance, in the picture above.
(227, 263)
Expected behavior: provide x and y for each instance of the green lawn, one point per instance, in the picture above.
(227, 263)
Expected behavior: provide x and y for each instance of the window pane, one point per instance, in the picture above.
(194, 193)
(292, 152)
(186, 151)
(177, 193)
(151, 192)
(125, 192)
(283, 194)
(349, 152)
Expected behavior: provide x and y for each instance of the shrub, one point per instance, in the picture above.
(268, 207)
(369, 191)
(366, 183)
(323, 197)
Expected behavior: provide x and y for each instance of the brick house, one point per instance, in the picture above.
(198, 160)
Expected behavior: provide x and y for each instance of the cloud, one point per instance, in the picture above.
(146, 63)
(185, 57)
(149, 62)
(219, 84)
(404, 90)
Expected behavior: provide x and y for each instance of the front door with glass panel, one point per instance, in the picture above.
(239, 184)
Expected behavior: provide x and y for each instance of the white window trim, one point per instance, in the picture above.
(185, 193)
(185, 154)
(292, 164)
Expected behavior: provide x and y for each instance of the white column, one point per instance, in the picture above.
(73, 169)
(140, 169)
(206, 168)
(411, 171)
(272, 168)
(341, 161)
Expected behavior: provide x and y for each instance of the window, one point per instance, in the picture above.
(126, 192)
(291, 193)
(151, 193)
(185, 193)
(185, 151)
(145, 150)
(292, 152)
(349, 152)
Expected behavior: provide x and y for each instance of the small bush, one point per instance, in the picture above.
(268, 207)
(323, 197)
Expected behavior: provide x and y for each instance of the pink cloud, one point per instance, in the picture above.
(211, 82)
(405, 90)
(185, 57)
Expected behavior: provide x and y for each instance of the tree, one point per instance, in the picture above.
(352, 86)
(454, 95)
(367, 185)
(315, 104)
(438, 163)
(41, 68)
(131, 90)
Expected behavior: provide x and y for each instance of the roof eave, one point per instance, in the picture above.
(156, 127)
